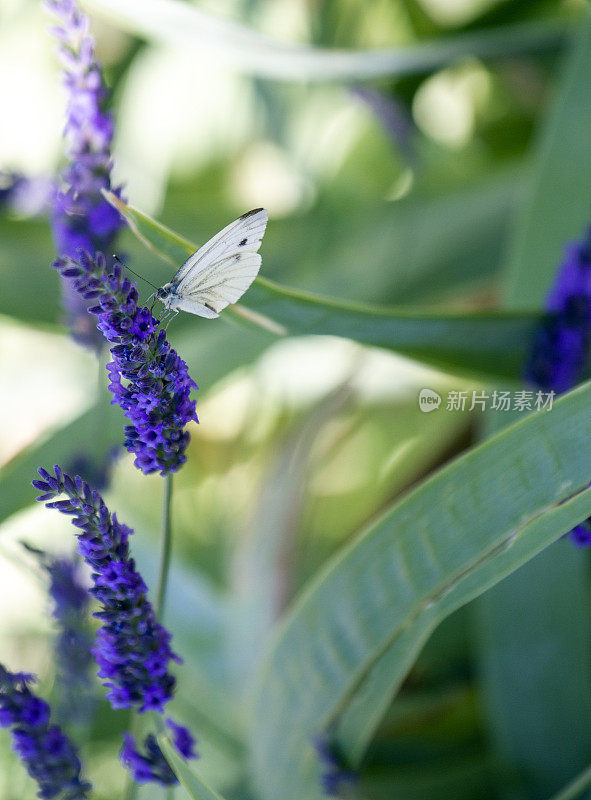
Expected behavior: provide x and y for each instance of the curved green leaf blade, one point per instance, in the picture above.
(557, 208)
(535, 666)
(195, 787)
(576, 787)
(252, 53)
(491, 344)
(355, 632)
(96, 431)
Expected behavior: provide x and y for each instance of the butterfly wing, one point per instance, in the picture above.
(244, 235)
(211, 289)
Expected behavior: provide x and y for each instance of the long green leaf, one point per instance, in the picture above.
(195, 787)
(237, 46)
(536, 664)
(558, 205)
(576, 787)
(96, 431)
(482, 344)
(354, 633)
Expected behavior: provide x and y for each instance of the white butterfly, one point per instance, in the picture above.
(219, 272)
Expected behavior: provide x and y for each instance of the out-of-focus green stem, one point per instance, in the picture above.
(575, 787)
(166, 545)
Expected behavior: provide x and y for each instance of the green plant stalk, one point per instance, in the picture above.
(575, 787)
(166, 546)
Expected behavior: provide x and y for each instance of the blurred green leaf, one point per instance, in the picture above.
(484, 344)
(536, 664)
(557, 208)
(30, 288)
(264, 560)
(196, 788)
(461, 778)
(425, 247)
(354, 633)
(95, 432)
(253, 53)
(576, 787)
(531, 634)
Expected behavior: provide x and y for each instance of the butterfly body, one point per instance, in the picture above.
(219, 272)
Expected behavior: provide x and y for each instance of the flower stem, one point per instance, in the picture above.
(166, 544)
(575, 787)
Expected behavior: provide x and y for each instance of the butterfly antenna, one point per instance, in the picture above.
(116, 258)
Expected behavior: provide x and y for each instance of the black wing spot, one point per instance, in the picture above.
(211, 308)
(242, 243)
(250, 213)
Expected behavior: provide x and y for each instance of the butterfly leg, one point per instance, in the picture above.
(163, 316)
(174, 313)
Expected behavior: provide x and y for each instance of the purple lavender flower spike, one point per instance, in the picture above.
(48, 755)
(182, 739)
(131, 648)
(81, 217)
(334, 777)
(148, 379)
(560, 351)
(581, 534)
(393, 117)
(151, 765)
(71, 602)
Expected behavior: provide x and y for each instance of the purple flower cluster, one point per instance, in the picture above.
(71, 602)
(48, 755)
(149, 380)
(81, 217)
(132, 649)
(151, 766)
(334, 777)
(560, 350)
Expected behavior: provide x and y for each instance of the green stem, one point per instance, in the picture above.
(166, 544)
(575, 787)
